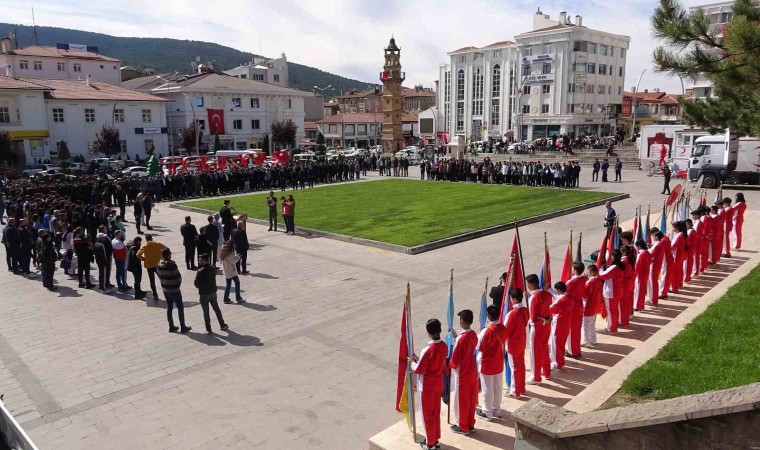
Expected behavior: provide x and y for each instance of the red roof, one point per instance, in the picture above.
(18, 83)
(358, 95)
(310, 125)
(97, 90)
(52, 52)
(416, 93)
(363, 118)
(647, 97)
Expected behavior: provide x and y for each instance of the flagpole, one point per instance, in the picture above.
(410, 351)
(448, 402)
(519, 250)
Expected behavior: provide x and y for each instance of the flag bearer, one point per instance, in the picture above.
(491, 364)
(562, 308)
(576, 286)
(516, 323)
(540, 330)
(464, 376)
(592, 305)
(429, 367)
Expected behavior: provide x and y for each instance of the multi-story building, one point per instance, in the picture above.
(651, 108)
(248, 108)
(272, 71)
(364, 130)
(477, 91)
(360, 102)
(42, 114)
(418, 99)
(719, 14)
(63, 62)
(571, 78)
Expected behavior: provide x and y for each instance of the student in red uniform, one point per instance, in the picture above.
(709, 234)
(719, 227)
(464, 376)
(491, 363)
(613, 290)
(429, 368)
(592, 305)
(729, 219)
(643, 266)
(658, 254)
(576, 287)
(516, 323)
(667, 262)
(562, 308)
(678, 247)
(540, 330)
(691, 244)
(629, 280)
(739, 207)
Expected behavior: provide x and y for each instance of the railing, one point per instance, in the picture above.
(11, 432)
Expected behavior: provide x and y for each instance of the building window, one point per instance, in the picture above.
(603, 50)
(255, 124)
(276, 78)
(115, 68)
(528, 51)
(622, 53)
(591, 47)
(526, 69)
(611, 71)
(255, 103)
(463, 59)
(201, 124)
(477, 92)
(5, 114)
(244, 76)
(497, 53)
(198, 102)
(147, 117)
(258, 77)
(57, 115)
(526, 89)
(237, 124)
(602, 69)
(89, 115)
(495, 111)
(570, 108)
(23, 64)
(332, 128)
(601, 89)
(288, 103)
(546, 88)
(620, 90)
(546, 68)
(544, 109)
(589, 88)
(123, 146)
(591, 68)
(91, 147)
(460, 117)
(61, 67)
(102, 67)
(609, 90)
(447, 100)
(460, 84)
(118, 116)
(37, 65)
(526, 109)
(620, 70)
(148, 146)
(349, 129)
(571, 87)
(236, 102)
(496, 82)
(77, 67)
(361, 129)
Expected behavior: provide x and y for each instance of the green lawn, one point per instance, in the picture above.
(411, 212)
(720, 349)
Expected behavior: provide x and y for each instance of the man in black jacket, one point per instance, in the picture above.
(497, 292)
(240, 238)
(272, 205)
(212, 236)
(171, 280)
(225, 213)
(121, 199)
(188, 232)
(48, 257)
(26, 246)
(134, 266)
(83, 250)
(205, 281)
(10, 240)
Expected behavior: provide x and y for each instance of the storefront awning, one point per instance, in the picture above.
(28, 134)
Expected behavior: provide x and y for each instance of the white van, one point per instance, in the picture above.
(251, 153)
(304, 157)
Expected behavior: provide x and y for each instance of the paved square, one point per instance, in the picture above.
(309, 362)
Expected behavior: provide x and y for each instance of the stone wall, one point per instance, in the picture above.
(727, 419)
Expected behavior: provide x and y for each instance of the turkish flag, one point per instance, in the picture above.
(244, 160)
(216, 121)
(260, 158)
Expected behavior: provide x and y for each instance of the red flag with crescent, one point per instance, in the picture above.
(260, 158)
(172, 168)
(215, 121)
(222, 162)
(203, 164)
(184, 164)
(244, 160)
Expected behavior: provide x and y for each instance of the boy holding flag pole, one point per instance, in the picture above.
(450, 336)
(464, 376)
(430, 367)
(405, 388)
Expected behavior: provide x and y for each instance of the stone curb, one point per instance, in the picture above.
(430, 245)
(591, 398)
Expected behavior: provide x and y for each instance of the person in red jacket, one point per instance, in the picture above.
(562, 308)
(576, 287)
(629, 280)
(429, 368)
(667, 264)
(658, 255)
(700, 239)
(691, 244)
(719, 227)
(516, 324)
(739, 208)
(643, 266)
(613, 290)
(491, 363)
(464, 376)
(592, 305)
(729, 219)
(678, 247)
(709, 235)
(540, 330)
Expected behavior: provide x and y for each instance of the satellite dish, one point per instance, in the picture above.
(197, 59)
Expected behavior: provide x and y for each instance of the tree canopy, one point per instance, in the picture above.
(107, 141)
(187, 136)
(727, 55)
(284, 133)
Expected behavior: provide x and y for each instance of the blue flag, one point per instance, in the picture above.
(449, 338)
(483, 312)
(664, 221)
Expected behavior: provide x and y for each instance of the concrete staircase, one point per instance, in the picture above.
(628, 154)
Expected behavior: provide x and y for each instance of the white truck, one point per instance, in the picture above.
(668, 142)
(725, 158)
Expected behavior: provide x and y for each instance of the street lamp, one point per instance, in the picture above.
(519, 109)
(635, 95)
(195, 125)
(322, 90)
(168, 117)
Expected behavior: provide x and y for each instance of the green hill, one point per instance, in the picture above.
(168, 55)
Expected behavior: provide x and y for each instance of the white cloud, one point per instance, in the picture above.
(347, 36)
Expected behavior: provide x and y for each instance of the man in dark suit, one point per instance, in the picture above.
(610, 216)
(188, 232)
(666, 172)
(497, 292)
(240, 238)
(225, 213)
(212, 236)
(272, 205)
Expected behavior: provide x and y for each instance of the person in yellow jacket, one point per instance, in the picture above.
(150, 255)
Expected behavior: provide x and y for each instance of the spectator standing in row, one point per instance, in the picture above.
(240, 240)
(48, 257)
(225, 213)
(171, 280)
(289, 214)
(605, 168)
(618, 170)
(120, 259)
(213, 235)
(150, 255)
(84, 253)
(202, 245)
(134, 266)
(205, 281)
(272, 206)
(230, 261)
(189, 232)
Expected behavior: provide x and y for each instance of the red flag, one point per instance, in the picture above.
(222, 162)
(203, 164)
(184, 164)
(635, 226)
(518, 277)
(602, 250)
(260, 158)
(244, 160)
(403, 352)
(567, 265)
(215, 121)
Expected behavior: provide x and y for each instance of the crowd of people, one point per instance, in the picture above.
(555, 321)
(530, 173)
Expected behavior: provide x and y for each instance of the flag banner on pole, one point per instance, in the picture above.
(545, 277)
(567, 265)
(602, 257)
(449, 340)
(647, 227)
(484, 307)
(719, 195)
(579, 253)
(404, 391)
(664, 220)
(614, 243)
(514, 265)
(635, 230)
(517, 278)
(703, 200)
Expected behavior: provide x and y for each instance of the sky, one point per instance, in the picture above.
(347, 37)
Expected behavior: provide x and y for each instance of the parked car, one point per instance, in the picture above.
(37, 168)
(140, 171)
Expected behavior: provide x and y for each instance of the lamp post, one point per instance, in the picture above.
(168, 117)
(195, 125)
(633, 102)
(519, 109)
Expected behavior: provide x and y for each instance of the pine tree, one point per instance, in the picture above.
(64, 155)
(107, 141)
(284, 133)
(5, 147)
(152, 165)
(217, 143)
(694, 48)
(321, 149)
(265, 144)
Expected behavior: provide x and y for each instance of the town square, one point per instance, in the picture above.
(545, 242)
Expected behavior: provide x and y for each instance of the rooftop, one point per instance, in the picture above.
(19, 83)
(426, 92)
(363, 118)
(52, 52)
(223, 83)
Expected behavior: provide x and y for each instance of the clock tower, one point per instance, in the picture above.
(393, 102)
